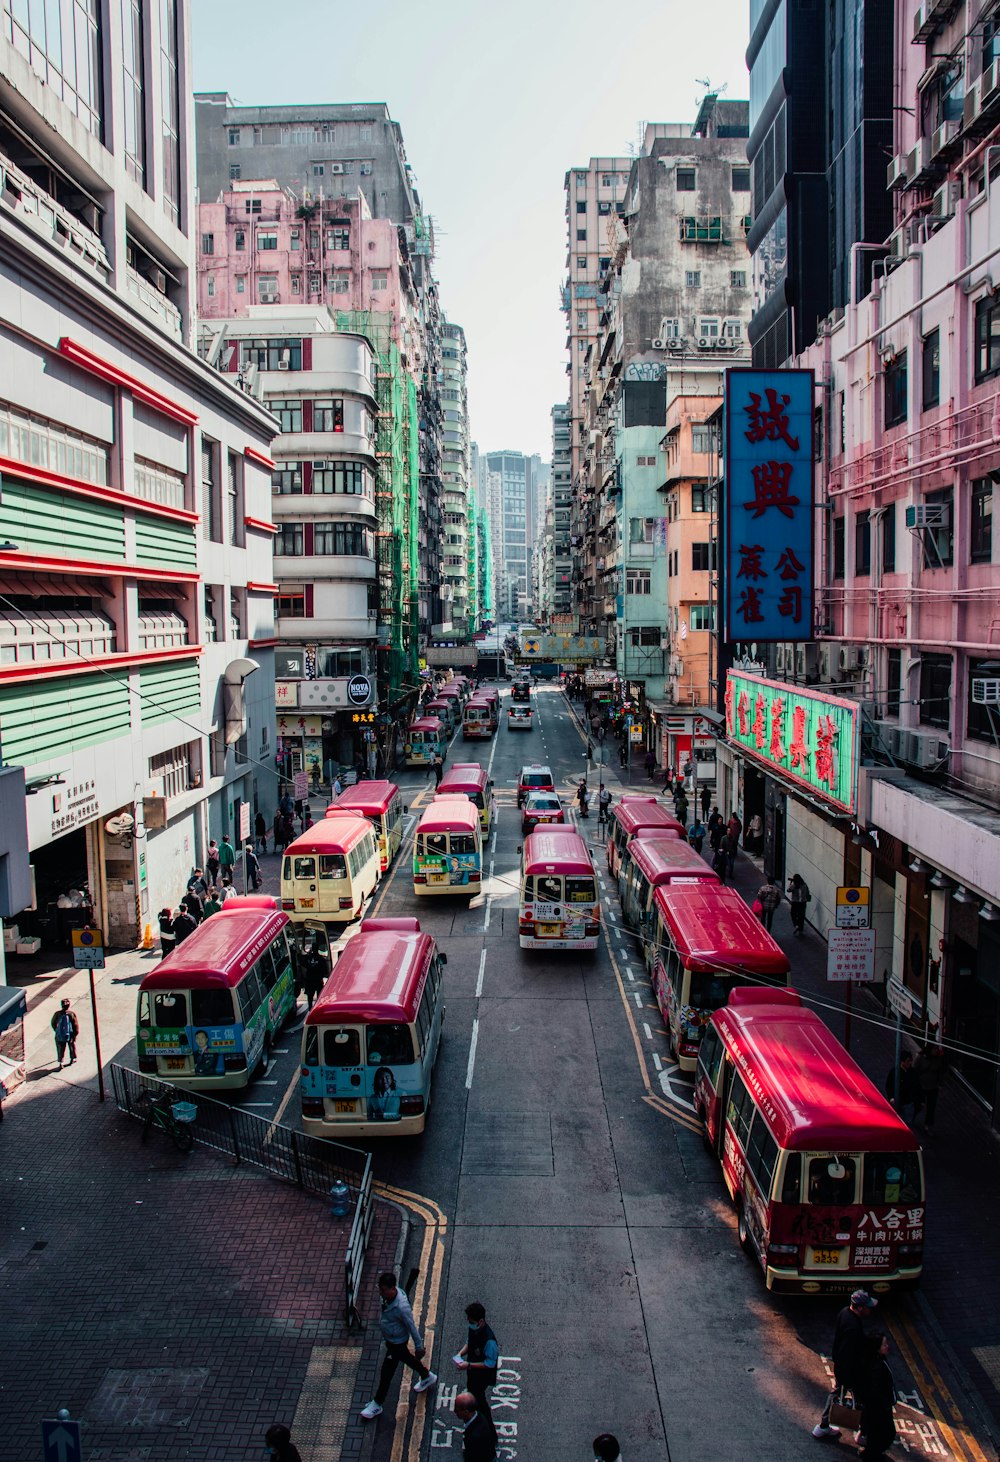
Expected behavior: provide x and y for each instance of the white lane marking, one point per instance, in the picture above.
(266, 1083)
(256, 1104)
(280, 1050)
(631, 976)
(618, 935)
(408, 824)
(482, 972)
(657, 1062)
(472, 1055)
(649, 1033)
(492, 866)
(637, 998)
(486, 921)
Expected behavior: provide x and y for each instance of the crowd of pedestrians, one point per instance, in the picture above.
(207, 890)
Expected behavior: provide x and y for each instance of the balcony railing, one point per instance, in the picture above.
(934, 447)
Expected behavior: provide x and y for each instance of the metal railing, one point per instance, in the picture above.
(312, 1163)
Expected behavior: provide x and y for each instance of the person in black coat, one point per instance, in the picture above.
(878, 1396)
(850, 1357)
(183, 925)
(479, 1440)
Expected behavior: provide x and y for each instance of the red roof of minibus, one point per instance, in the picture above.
(489, 693)
(466, 766)
(813, 1095)
(664, 858)
(458, 778)
(449, 814)
(477, 702)
(450, 690)
(557, 849)
(635, 815)
(425, 723)
(439, 703)
(364, 797)
(336, 834)
(218, 953)
(239, 902)
(379, 976)
(713, 929)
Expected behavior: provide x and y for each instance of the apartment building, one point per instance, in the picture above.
(458, 571)
(559, 571)
(326, 154)
(515, 483)
(906, 665)
(136, 590)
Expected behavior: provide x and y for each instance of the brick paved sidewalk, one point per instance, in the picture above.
(176, 1305)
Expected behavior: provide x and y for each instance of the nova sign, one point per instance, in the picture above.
(802, 736)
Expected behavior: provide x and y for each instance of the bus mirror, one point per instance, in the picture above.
(518, 849)
(442, 957)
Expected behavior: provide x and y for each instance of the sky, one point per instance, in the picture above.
(495, 103)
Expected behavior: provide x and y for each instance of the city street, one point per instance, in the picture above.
(561, 1181)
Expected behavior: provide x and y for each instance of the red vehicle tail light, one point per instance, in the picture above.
(345, 903)
(420, 878)
(411, 1106)
(288, 904)
(312, 1106)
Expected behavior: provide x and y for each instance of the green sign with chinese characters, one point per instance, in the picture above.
(800, 735)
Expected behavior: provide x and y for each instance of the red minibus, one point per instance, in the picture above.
(632, 816)
(468, 779)
(477, 719)
(703, 941)
(651, 859)
(558, 904)
(330, 869)
(210, 1011)
(827, 1179)
(371, 1038)
(382, 805)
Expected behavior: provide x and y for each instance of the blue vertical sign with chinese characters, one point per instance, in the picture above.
(769, 505)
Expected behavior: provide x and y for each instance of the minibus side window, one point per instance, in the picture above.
(762, 1154)
(170, 1009)
(254, 992)
(265, 971)
(244, 996)
(791, 1182)
(311, 1050)
(286, 869)
(529, 888)
(424, 1020)
(341, 1047)
(740, 1111)
(710, 1055)
(144, 1017)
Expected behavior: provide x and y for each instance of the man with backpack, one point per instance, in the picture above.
(66, 1028)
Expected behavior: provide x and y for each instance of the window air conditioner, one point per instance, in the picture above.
(706, 342)
(846, 658)
(897, 173)
(320, 466)
(282, 364)
(659, 344)
(928, 750)
(336, 167)
(926, 515)
(269, 299)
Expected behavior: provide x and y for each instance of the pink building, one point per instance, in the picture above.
(908, 565)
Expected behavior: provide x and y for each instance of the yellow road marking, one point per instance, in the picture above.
(939, 1397)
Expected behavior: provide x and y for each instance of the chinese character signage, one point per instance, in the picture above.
(769, 505)
(799, 734)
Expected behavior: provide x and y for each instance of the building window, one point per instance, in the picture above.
(286, 480)
(604, 209)
(889, 539)
(343, 540)
(638, 581)
(931, 359)
(328, 415)
(289, 413)
(703, 557)
(208, 243)
(348, 477)
(267, 288)
(981, 526)
(895, 390)
(581, 207)
(295, 240)
(170, 109)
(210, 505)
(235, 172)
(339, 239)
(987, 338)
(380, 280)
(581, 235)
(581, 261)
(702, 616)
(269, 355)
(702, 439)
(171, 770)
(234, 136)
(938, 539)
(134, 89)
(935, 690)
(737, 279)
(741, 180)
(863, 543)
(318, 169)
(210, 286)
(686, 180)
(641, 530)
(47, 444)
(290, 603)
(692, 279)
(893, 681)
(288, 540)
(241, 284)
(240, 240)
(252, 206)
(701, 498)
(838, 548)
(315, 284)
(267, 240)
(701, 230)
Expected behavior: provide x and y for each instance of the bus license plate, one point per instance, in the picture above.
(439, 877)
(548, 931)
(176, 1063)
(307, 903)
(344, 1107)
(826, 1256)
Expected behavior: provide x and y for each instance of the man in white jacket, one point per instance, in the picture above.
(398, 1329)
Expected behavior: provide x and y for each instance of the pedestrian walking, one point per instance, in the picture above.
(307, 818)
(480, 1354)
(848, 1353)
(260, 832)
(278, 826)
(681, 809)
(929, 1066)
(198, 883)
(252, 867)
(227, 857)
(754, 840)
(184, 924)
(66, 1028)
(878, 1396)
(337, 788)
(438, 768)
(735, 825)
(213, 903)
(479, 1435)
(286, 805)
(604, 800)
(227, 891)
(668, 781)
(716, 832)
(731, 843)
(280, 1447)
(769, 897)
(398, 1329)
(583, 798)
(902, 1087)
(798, 897)
(696, 834)
(649, 762)
(720, 863)
(706, 802)
(606, 1448)
(195, 905)
(715, 818)
(167, 936)
(313, 973)
(622, 752)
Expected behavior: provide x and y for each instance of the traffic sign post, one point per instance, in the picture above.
(850, 954)
(61, 1439)
(88, 948)
(854, 908)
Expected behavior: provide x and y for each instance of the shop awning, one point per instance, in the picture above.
(59, 586)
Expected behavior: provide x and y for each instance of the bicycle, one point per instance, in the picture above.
(172, 1116)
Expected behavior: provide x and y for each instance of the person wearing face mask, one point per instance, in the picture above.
(280, 1447)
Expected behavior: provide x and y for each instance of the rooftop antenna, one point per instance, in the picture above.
(709, 88)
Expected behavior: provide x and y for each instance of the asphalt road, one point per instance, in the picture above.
(561, 1181)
